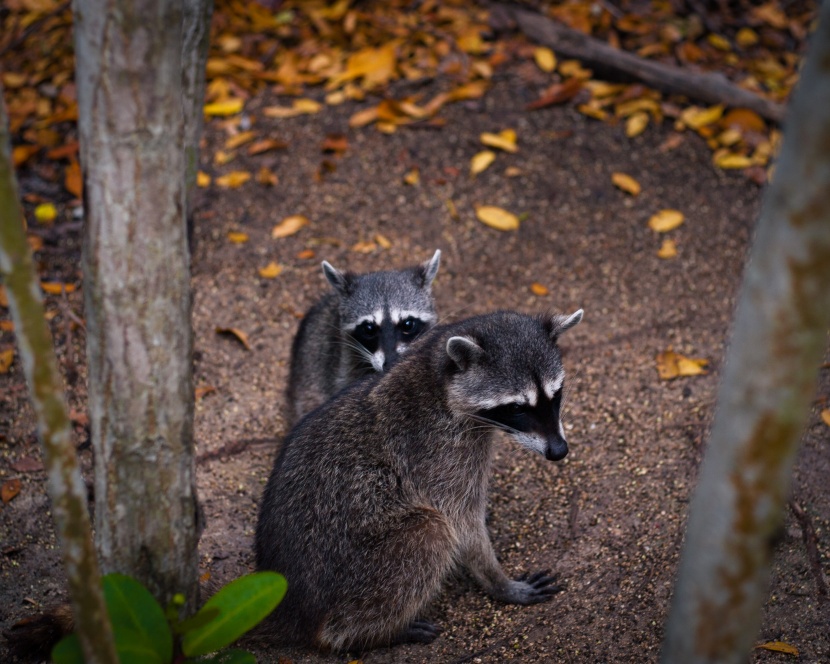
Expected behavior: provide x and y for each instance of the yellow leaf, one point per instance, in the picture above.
(665, 220)
(223, 108)
(73, 181)
(636, 124)
(267, 177)
(719, 42)
(538, 289)
(545, 59)
(235, 332)
(45, 213)
(696, 117)
(413, 177)
(498, 218)
(383, 241)
(631, 107)
(672, 365)
(305, 105)
(298, 107)
(746, 37)
(627, 183)
(728, 160)
(574, 69)
(240, 139)
(202, 179)
(481, 161)
(779, 646)
(504, 140)
(233, 179)
(375, 65)
(237, 237)
(6, 359)
(289, 226)
(364, 247)
(221, 157)
(364, 117)
(270, 271)
(56, 287)
(668, 249)
(825, 416)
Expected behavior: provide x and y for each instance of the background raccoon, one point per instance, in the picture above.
(380, 493)
(359, 329)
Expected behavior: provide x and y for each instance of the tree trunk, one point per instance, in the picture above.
(66, 488)
(137, 289)
(779, 336)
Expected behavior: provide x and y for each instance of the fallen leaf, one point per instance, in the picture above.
(221, 157)
(202, 179)
(364, 117)
(4, 297)
(364, 247)
(64, 151)
(223, 108)
(72, 179)
(45, 213)
(336, 143)
(233, 179)
(636, 124)
(298, 107)
(265, 145)
(744, 120)
(574, 69)
(56, 287)
(413, 177)
(383, 241)
(305, 254)
(746, 37)
(289, 226)
(825, 416)
(545, 59)
(452, 209)
(201, 392)
(481, 161)
(6, 326)
(35, 242)
(627, 183)
(668, 249)
(27, 464)
(558, 93)
(267, 177)
(6, 359)
(665, 220)
(237, 333)
(22, 153)
(270, 271)
(729, 160)
(9, 490)
(237, 237)
(504, 140)
(538, 289)
(498, 218)
(240, 139)
(696, 118)
(778, 646)
(512, 172)
(672, 365)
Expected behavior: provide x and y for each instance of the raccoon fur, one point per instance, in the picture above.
(359, 329)
(379, 494)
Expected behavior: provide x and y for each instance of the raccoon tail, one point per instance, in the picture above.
(33, 638)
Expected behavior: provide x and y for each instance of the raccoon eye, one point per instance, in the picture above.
(410, 327)
(367, 329)
(517, 408)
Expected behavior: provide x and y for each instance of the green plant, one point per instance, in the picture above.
(147, 634)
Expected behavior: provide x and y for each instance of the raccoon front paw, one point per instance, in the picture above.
(419, 631)
(532, 589)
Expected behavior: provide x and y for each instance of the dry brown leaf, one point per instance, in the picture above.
(4, 297)
(306, 254)
(267, 177)
(665, 221)
(504, 140)
(56, 287)
(236, 333)
(270, 271)
(636, 124)
(266, 145)
(668, 249)
(6, 359)
(545, 59)
(672, 365)
(538, 289)
(364, 117)
(6, 326)
(383, 241)
(72, 179)
(289, 226)
(481, 161)
(778, 646)
(574, 69)
(558, 93)
(233, 179)
(825, 416)
(9, 490)
(744, 120)
(223, 108)
(336, 143)
(496, 217)
(627, 183)
(238, 237)
(201, 392)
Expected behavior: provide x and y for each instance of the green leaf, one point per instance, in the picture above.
(242, 604)
(225, 657)
(193, 622)
(135, 612)
(68, 651)
(133, 648)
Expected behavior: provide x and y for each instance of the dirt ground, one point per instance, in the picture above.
(609, 518)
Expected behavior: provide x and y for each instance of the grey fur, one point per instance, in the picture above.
(379, 494)
(327, 353)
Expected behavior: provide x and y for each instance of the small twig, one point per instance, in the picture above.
(810, 538)
(235, 447)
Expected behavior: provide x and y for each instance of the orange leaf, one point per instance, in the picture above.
(270, 271)
(237, 333)
(305, 254)
(267, 177)
(237, 238)
(56, 288)
(825, 416)
(6, 359)
(557, 93)
(233, 179)
(201, 392)
(289, 226)
(267, 144)
(22, 153)
(72, 179)
(538, 289)
(9, 490)
(672, 365)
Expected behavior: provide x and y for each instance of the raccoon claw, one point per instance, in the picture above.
(419, 631)
(533, 588)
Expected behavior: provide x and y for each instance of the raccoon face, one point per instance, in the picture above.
(381, 313)
(509, 374)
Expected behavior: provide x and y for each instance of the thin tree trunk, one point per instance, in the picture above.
(66, 488)
(137, 288)
(779, 336)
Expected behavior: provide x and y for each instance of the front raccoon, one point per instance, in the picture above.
(360, 329)
(377, 495)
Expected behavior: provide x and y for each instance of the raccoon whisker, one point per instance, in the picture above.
(493, 423)
(360, 350)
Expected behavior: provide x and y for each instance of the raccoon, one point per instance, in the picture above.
(379, 494)
(360, 329)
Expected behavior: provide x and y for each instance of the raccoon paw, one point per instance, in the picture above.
(419, 631)
(533, 588)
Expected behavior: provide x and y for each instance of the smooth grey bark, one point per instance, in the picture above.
(779, 335)
(66, 488)
(137, 289)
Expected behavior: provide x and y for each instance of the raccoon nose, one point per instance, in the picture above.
(389, 360)
(557, 448)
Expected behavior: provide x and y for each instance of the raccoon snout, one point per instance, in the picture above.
(557, 448)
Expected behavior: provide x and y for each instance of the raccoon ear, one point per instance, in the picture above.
(428, 270)
(558, 324)
(339, 280)
(463, 351)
